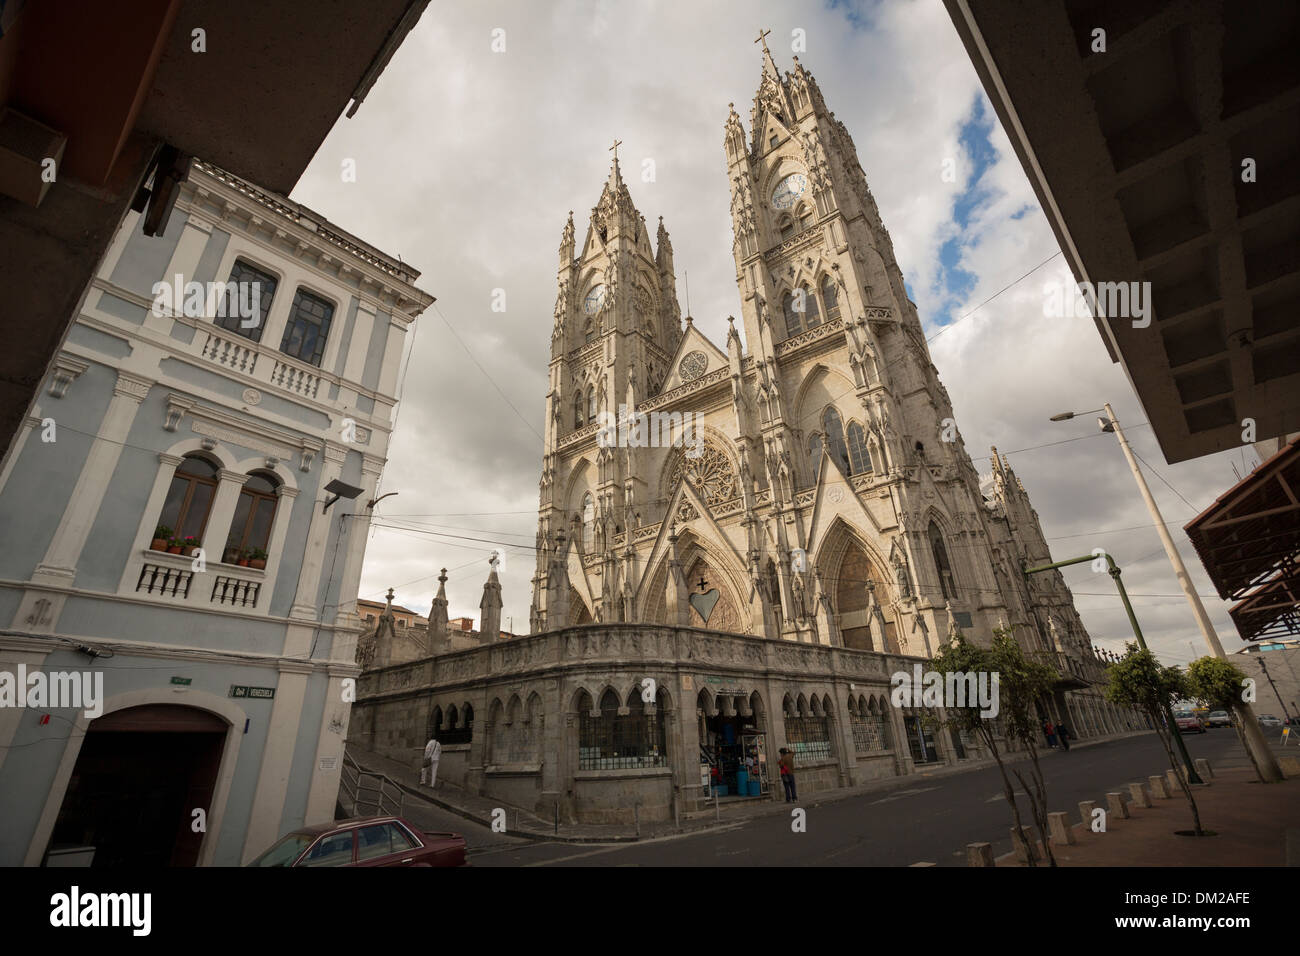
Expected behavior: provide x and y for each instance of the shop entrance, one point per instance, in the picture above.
(733, 756)
(920, 740)
(139, 776)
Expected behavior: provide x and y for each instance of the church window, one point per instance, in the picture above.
(774, 588)
(805, 218)
(815, 455)
(812, 318)
(591, 403)
(787, 229)
(577, 411)
(940, 552)
(588, 523)
(772, 141)
(793, 324)
(613, 742)
(859, 457)
(307, 328)
(589, 332)
(830, 299)
(833, 425)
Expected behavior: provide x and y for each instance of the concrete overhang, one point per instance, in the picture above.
(1138, 155)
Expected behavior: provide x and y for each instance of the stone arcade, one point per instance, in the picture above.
(832, 526)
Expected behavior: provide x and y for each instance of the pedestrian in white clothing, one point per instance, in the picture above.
(432, 754)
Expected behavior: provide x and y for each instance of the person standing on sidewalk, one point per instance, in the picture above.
(786, 763)
(1063, 732)
(432, 754)
(1050, 733)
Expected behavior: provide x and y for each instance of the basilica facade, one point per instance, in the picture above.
(750, 579)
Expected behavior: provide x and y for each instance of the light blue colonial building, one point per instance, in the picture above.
(225, 671)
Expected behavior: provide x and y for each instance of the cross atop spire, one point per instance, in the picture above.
(617, 144)
(762, 38)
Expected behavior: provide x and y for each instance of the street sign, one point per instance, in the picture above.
(242, 690)
(182, 681)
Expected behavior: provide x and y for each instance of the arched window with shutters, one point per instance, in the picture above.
(812, 318)
(859, 457)
(940, 552)
(588, 523)
(830, 299)
(833, 425)
(189, 498)
(250, 529)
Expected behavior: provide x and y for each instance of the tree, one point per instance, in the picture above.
(1139, 680)
(1022, 682)
(1217, 684)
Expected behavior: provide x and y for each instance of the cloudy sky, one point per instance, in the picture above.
(468, 160)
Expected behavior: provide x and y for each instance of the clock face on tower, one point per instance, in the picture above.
(788, 191)
(594, 300)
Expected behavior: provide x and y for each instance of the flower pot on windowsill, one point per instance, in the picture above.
(257, 564)
(174, 549)
(158, 544)
(243, 562)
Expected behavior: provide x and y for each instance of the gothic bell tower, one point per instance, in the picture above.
(617, 325)
(816, 271)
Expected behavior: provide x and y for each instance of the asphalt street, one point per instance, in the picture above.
(929, 819)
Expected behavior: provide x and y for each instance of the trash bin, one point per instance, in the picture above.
(742, 783)
(754, 787)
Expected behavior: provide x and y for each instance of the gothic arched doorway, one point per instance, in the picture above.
(861, 599)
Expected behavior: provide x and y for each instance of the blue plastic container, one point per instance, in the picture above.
(742, 783)
(754, 787)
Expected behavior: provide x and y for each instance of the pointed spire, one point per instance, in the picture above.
(438, 612)
(566, 243)
(490, 606)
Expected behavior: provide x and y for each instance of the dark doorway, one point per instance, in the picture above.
(139, 777)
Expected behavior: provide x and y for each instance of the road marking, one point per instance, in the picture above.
(900, 794)
(614, 847)
(921, 864)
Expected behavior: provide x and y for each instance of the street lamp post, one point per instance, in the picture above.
(1262, 756)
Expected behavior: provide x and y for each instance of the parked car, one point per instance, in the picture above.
(365, 841)
(1219, 718)
(1268, 720)
(1189, 723)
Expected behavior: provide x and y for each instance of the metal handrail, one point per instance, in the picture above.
(356, 782)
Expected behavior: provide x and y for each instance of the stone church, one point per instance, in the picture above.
(699, 603)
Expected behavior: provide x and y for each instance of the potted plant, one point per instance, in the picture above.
(173, 545)
(161, 536)
(257, 559)
(243, 559)
(190, 545)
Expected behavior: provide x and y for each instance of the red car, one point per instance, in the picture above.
(365, 841)
(1189, 722)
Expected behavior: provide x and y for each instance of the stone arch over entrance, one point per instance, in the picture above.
(223, 709)
(699, 559)
(864, 615)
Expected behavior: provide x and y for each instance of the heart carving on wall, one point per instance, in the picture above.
(704, 603)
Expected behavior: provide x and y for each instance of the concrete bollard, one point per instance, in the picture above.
(1085, 812)
(1024, 844)
(1204, 769)
(1174, 785)
(1115, 805)
(1141, 796)
(1059, 827)
(1158, 788)
(1290, 766)
(979, 854)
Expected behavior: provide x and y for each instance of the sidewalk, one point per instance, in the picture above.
(523, 823)
(1255, 825)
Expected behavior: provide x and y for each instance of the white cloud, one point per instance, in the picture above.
(468, 162)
